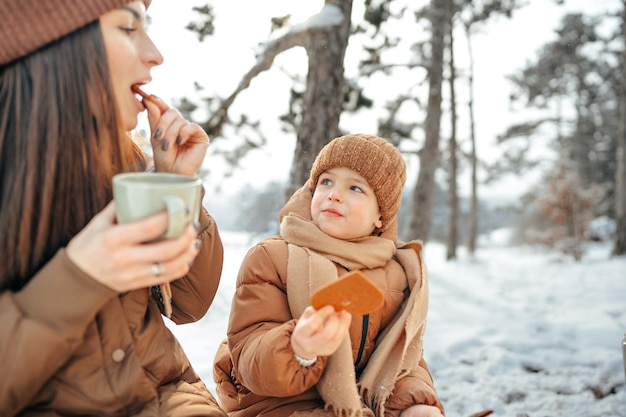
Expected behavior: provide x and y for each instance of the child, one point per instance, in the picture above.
(283, 358)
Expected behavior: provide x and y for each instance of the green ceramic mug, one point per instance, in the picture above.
(142, 194)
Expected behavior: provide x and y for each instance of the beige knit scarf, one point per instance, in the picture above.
(399, 348)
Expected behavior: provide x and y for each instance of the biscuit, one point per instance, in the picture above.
(137, 89)
(352, 292)
(143, 94)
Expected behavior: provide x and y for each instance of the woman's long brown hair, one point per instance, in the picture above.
(60, 145)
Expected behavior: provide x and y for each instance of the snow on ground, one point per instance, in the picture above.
(517, 330)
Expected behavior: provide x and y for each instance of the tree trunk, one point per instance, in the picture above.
(420, 218)
(323, 98)
(472, 234)
(619, 247)
(453, 197)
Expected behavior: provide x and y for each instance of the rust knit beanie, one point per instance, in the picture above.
(28, 25)
(376, 160)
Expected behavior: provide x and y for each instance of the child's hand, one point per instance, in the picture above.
(421, 410)
(319, 332)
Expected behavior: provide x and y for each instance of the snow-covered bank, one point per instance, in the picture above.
(517, 330)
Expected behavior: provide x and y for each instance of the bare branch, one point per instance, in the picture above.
(297, 35)
(265, 59)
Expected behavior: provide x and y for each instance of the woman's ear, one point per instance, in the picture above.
(379, 222)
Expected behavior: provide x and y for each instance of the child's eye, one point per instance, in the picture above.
(356, 188)
(128, 30)
(325, 181)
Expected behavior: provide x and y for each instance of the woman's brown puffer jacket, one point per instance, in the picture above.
(70, 346)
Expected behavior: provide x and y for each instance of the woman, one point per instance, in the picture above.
(81, 330)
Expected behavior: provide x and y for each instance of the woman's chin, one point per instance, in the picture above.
(131, 124)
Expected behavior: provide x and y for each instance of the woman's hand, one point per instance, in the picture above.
(178, 145)
(421, 410)
(319, 333)
(115, 255)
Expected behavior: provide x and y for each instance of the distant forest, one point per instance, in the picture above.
(574, 87)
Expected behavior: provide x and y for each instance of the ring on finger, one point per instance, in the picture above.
(158, 269)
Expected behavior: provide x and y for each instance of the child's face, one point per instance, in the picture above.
(344, 205)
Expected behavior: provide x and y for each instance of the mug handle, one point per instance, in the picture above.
(178, 216)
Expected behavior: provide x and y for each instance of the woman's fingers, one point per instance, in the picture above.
(178, 145)
(193, 133)
(135, 232)
(165, 131)
(163, 264)
(142, 265)
(117, 255)
(155, 107)
(172, 137)
(160, 251)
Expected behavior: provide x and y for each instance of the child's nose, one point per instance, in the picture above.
(334, 195)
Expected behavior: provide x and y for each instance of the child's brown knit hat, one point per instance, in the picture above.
(376, 160)
(27, 25)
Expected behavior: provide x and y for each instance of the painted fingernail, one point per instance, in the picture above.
(166, 145)
(157, 134)
(179, 140)
(190, 264)
(196, 225)
(197, 244)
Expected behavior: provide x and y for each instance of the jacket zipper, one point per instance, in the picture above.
(364, 327)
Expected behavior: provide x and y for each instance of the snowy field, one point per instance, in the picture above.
(516, 330)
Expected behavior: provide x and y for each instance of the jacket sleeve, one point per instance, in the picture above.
(41, 326)
(260, 329)
(415, 388)
(193, 294)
